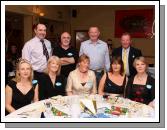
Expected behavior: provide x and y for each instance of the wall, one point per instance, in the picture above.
(104, 18)
(101, 16)
(31, 16)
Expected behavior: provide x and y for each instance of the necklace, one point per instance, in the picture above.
(141, 78)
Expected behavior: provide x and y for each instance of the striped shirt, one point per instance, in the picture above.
(33, 52)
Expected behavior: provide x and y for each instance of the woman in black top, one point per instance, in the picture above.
(51, 82)
(113, 82)
(141, 87)
(22, 91)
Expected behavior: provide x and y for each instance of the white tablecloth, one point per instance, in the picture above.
(66, 105)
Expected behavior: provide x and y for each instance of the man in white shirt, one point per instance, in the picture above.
(98, 52)
(37, 50)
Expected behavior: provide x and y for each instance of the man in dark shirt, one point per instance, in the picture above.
(131, 54)
(67, 54)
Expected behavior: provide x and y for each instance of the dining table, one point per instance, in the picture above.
(84, 106)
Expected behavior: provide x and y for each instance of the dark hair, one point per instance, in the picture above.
(117, 60)
(35, 25)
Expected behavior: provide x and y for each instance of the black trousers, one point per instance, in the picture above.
(37, 76)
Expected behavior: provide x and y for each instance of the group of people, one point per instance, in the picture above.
(44, 72)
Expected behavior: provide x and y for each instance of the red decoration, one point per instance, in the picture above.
(137, 22)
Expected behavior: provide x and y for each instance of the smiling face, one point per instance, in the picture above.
(94, 34)
(116, 67)
(24, 70)
(65, 39)
(140, 66)
(53, 66)
(125, 41)
(84, 66)
(40, 31)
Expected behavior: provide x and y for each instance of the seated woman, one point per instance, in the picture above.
(81, 80)
(22, 91)
(113, 82)
(141, 87)
(51, 82)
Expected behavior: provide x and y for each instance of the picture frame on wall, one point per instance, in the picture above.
(139, 23)
(80, 36)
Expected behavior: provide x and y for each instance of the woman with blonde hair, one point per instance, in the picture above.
(51, 82)
(141, 87)
(82, 80)
(21, 91)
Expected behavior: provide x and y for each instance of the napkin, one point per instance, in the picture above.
(89, 105)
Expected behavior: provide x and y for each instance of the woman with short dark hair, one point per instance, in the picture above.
(113, 82)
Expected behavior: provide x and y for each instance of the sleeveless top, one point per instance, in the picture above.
(18, 98)
(111, 87)
(141, 93)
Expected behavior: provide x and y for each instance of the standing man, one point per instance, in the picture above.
(67, 54)
(97, 50)
(37, 51)
(128, 54)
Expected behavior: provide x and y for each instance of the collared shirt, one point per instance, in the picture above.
(33, 52)
(127, 61)
(98, 54)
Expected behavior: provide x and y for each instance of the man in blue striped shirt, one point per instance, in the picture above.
(98, 52)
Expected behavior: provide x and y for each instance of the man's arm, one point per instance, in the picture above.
(81, 49)
(26, 52)
(140, 54)
(115, 52)
(70, 60)
(67, 61)
(107, 60)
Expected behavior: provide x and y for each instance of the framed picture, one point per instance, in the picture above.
(80, 36)
(139, 23)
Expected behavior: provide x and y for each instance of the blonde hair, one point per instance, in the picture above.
(18, 77)
(142, 59)
(57, 60)
(83, 57)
